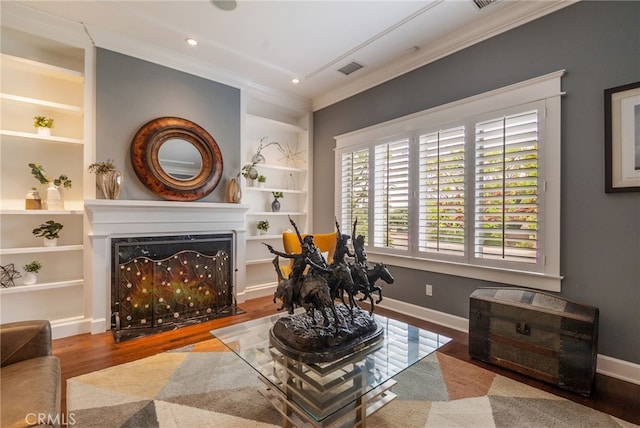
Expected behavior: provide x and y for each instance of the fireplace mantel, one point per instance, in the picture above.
(108, 218)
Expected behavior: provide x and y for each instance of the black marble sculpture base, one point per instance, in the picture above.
(299, 338)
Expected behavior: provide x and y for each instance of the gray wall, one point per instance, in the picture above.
(130, 92)
(598, 43)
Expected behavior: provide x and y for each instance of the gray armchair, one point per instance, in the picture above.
(29, 376)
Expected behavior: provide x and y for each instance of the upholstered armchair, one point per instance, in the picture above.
(326, 242)
(29, 376)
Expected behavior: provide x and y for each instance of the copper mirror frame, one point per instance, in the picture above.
(146, 163)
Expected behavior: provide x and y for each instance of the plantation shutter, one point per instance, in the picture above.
(391, 195)
(441, 192)
(506, 186)
(355, 191)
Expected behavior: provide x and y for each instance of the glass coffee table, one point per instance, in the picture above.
(338, 393)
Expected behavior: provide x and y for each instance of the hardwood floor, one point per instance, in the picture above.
(87, 353)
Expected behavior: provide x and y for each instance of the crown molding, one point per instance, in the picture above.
(516, 15)
(26, 19)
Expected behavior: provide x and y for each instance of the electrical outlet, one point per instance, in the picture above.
(428, 289)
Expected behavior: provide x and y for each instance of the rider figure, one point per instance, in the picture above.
(342, 250)
(313, 255)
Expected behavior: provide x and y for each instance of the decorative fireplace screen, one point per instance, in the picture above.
(162, 283)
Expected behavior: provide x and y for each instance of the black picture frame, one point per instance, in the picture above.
(622, 138)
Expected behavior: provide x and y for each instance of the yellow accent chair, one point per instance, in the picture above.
(326, 242)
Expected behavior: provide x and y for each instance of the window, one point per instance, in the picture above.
(441, 185)
(355, 191)
(391, 195)
(506, 188)
(470, 189)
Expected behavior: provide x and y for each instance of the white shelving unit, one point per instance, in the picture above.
(34, 88)
(286, 171)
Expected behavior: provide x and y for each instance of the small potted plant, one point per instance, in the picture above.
(43, 125)
(275, 205)
(31, 269)
(49, 231)
(108, 179)
(249, 172)
(263, 227)
(261, 180)
(54, 198)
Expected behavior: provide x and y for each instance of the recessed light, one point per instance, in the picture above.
(191, 41)
(295, 80)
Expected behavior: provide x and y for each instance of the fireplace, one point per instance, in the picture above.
(165, 282)
(213, 232)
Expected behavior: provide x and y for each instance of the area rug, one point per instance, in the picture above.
(205, 385)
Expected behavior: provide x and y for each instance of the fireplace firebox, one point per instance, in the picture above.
(161, 283)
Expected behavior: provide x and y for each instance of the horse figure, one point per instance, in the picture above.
(316, 295)
(311, 293)
(379, 271)
(284, 292)
(340, 280)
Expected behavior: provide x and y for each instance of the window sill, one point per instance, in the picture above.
(539, 281)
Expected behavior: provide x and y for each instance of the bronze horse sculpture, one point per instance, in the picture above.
(378, 272)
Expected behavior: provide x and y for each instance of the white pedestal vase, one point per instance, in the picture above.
(54, 198)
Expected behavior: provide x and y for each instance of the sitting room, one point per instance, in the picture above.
(473, 166)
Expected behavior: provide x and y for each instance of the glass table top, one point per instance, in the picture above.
(329, 387)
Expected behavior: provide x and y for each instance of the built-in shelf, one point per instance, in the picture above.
(41, 212)
(281, 167)
(268, 122)
(263, 237)
(47, 69)
(29, 136)
(289, 126)
(272, 189)
(33, 88)
(279, 213)
(39, 250)
(41, 287)
(49, 105)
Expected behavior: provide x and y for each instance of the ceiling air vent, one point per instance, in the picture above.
(483, 3)
(350, 68)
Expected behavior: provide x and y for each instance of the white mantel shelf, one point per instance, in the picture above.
(116, 217)
(108, 218)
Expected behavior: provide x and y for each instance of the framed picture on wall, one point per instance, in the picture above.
(622, 138)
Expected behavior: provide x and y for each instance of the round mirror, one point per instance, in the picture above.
(176, 159)
(180, 159)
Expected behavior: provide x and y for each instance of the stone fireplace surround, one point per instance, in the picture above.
(108, 219)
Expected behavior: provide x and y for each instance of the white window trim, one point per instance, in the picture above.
(546, 88)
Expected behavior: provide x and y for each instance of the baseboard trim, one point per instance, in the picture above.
(619, 369)
(426, 314)
(607, 366)
(70, 327)
(257, 291)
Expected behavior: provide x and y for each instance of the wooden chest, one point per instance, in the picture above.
(536, 334)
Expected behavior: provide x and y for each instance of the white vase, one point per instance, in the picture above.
(44, 131)
(29, 278)
(54, 198)
(50, 242)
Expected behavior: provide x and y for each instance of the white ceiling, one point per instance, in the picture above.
(264, 44)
